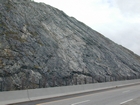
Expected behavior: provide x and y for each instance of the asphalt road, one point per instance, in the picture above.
(110, 97)
(133, 102)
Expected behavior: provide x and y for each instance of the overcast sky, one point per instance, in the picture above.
(119, 20)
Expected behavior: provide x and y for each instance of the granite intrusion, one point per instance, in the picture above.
(42, 46)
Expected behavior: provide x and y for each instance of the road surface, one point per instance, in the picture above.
(117, 96)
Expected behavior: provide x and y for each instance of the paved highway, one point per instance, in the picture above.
(133, 102)
(110, 97)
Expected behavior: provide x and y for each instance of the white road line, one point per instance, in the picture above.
(80, 102)
(126, 91)
(126, 101)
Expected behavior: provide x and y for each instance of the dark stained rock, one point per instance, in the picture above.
(40, 46)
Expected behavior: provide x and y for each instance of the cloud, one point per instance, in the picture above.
(124, 27)
(119, 20)
(129, 8)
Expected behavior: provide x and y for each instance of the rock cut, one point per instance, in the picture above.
(41, 46)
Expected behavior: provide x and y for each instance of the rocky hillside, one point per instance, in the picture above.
(40, 46)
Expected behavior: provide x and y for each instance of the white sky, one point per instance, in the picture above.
(119, 20)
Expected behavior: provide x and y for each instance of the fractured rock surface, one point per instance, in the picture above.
(40, 46)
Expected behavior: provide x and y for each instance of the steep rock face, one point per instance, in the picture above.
(40, 44)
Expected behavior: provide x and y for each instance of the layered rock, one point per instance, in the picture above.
(40, 46)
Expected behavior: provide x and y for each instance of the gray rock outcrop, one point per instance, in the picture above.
(40, 46)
